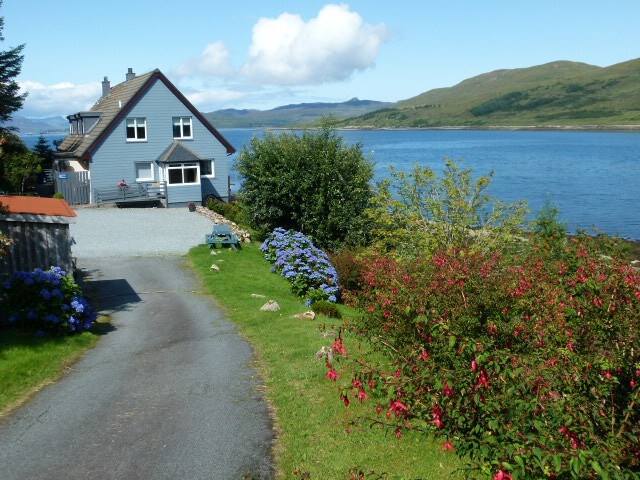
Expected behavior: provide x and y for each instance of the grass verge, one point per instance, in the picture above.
(312, 421)
(28, 363)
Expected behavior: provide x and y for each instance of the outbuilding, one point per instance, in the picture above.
(38, 229)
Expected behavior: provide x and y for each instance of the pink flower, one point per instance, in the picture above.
(448, 446)
(502, 475)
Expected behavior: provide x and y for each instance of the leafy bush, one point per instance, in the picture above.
(349, 268)
(307, 267)
(58, 195)
(419, 212)
(313, 183)
(48, 301)
(322, 307)
(526, 367)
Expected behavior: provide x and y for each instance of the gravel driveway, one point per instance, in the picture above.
(170, 393)
(130, 232)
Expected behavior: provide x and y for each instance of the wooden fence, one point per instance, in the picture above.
(38, 241)
(74, 186)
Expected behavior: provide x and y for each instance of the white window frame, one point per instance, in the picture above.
(213, 168)
(138, 122)
(145, 179)
(182, 122)
(183, 167)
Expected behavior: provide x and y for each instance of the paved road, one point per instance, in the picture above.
(169, 394)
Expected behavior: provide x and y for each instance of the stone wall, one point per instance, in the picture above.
(243, 235)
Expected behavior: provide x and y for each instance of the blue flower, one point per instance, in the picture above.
(332, 298)
(44, 293)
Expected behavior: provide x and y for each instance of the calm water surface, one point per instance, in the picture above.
(593, 177)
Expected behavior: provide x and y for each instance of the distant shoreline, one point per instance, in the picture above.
(585, 128)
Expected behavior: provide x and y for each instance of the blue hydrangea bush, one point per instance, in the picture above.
(47, 301)
(308, 268)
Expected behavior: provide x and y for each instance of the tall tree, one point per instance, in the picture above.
(44, 150)
(10, 65)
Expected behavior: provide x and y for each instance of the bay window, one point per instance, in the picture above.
(183, 173)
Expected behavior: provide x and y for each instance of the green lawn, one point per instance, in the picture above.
(28, 363)
(311, 419)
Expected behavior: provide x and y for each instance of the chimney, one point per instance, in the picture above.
(106, 87)
(130, 74)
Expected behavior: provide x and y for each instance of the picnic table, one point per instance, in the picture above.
(222, 235)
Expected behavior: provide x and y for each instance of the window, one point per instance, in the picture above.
(136, 129)
(182, 127)
(183, 173)
(206, 168)
(144, 172)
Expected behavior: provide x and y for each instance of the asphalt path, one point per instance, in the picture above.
(170, 393)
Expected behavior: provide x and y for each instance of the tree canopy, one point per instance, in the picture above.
(10, 66)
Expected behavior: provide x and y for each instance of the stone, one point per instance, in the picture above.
(325, 352)
(257, 295)
(213, 252)
(328, 333)
(215, 267)
(270, 306)
(309, 315)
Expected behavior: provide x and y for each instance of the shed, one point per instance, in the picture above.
(39, 231)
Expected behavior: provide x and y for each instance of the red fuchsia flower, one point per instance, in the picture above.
(483, 380)
(437, 416)
(378, 409)
(424, 356)
(447, 391)
(398, 433)
(502, 475)
(474, 365)
(332, 375)
(448, 446)
(398, 408)
(345, 399)
(362, 395)
(338, 347)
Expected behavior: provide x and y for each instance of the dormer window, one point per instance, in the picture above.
(136, 129)
(182, 128)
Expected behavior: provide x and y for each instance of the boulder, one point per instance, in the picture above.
(270, 306)
(309, 315)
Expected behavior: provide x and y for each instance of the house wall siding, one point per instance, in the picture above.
(115, 159)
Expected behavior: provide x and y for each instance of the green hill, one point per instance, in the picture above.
(555, 94)
(291, 115)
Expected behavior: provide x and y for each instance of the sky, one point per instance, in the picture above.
(266, 53)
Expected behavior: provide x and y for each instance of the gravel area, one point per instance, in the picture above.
(126, 232)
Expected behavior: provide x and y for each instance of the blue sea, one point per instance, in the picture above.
(593, 177)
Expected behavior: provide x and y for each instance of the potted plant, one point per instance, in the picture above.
(192, 207)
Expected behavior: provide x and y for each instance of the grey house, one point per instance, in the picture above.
(144, 130)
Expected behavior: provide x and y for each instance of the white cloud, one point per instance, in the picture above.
(214, 61)
(206, 100)
(330, 47)
(61, 98)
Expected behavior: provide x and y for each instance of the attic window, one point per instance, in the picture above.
(182, 127)
(136, 129)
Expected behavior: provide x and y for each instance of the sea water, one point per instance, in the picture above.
(592, 177)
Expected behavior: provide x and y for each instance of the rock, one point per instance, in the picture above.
(213, 252)
(328, 333)
(635, 263)
(325, 352)
(215, 267)
(257, 295)
(309, 315)
(270, 306)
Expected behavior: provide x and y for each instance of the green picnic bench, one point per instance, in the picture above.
(221, 235)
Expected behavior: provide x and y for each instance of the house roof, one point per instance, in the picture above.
(178, 153)
(116, 105)
(37, 206)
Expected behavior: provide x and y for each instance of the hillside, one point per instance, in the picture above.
(289, 115)
(555, 94)
(27, 125)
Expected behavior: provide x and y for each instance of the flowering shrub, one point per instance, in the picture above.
(47, 300)
(527, 367)
(307, 267)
